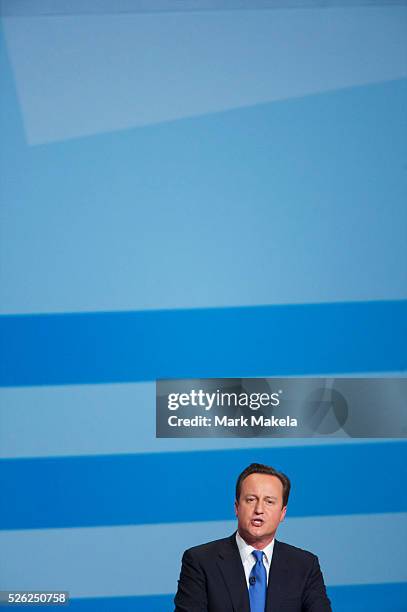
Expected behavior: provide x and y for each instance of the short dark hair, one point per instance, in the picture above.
(260, 468)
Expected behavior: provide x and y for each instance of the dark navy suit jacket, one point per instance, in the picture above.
(213, 580)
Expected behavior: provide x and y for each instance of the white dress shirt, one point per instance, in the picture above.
(248, 559)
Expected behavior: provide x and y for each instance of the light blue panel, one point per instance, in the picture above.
(77, 7)
(346, 545)
(295, 201)
(117, 561)
(84, 74)
(292, 202)
(103, 419)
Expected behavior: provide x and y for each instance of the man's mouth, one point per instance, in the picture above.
(257, 522)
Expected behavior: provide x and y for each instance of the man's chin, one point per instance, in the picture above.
(258, 535)
(258, 530)
(255, 534)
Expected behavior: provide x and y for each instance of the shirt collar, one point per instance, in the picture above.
(246, 550)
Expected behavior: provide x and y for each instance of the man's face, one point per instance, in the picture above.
(259, 509)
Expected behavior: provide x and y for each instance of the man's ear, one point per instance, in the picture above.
(236, 506)
(283, 513)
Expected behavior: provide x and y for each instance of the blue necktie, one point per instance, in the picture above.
(258, 583)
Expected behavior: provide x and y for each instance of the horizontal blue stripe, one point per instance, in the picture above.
(371, 597)
(196, 486)
(229, 342)
(355, 598)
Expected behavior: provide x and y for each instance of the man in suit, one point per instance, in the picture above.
(251, 571)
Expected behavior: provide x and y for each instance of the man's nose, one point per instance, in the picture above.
(259, 507)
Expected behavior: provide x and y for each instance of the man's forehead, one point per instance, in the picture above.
(262, 482)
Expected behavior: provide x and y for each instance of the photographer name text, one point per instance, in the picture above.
(224, 421)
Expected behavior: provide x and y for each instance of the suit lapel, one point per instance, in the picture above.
(231, 567)
(277, 579)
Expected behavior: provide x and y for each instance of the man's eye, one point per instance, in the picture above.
(250, 499)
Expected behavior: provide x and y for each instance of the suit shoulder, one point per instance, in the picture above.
(295, 553)
(209, 548)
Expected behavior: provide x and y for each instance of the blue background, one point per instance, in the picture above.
(206, 192)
